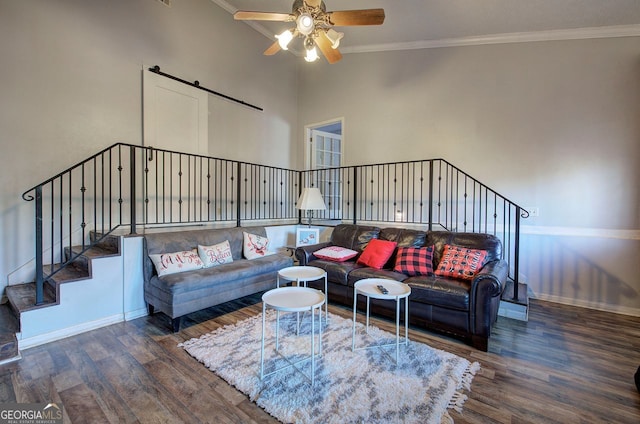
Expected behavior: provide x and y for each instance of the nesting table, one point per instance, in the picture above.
(368, 287)
(304, 274)
(294, 299)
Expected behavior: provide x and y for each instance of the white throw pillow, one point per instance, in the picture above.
(335, 253)
(255, 246)
(215, 255)
(171, 263)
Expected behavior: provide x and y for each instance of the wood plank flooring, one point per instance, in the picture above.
(565, 365)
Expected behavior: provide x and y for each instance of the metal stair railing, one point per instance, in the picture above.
(432, 193)
(126, 185)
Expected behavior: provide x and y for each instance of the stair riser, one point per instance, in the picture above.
(109, 242)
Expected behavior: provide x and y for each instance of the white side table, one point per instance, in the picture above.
(304, 274)
(369, 287)
(294, 299)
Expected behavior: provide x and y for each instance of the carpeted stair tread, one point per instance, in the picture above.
(22, 297)
(97, 251)
(75, 271)
(110, 242)
(9, 326)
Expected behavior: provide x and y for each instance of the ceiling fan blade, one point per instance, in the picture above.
(243, 15)
(273, 49)
(324, 44)
(357, 17)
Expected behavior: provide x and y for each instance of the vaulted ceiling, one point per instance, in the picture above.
(413, 24)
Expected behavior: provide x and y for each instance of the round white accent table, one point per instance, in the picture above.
(304, 274)
(294, 299)
(395, 291)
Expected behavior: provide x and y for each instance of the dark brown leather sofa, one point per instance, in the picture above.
(464, 309)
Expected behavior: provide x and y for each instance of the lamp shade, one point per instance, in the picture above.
(311, 199)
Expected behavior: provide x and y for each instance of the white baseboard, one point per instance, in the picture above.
(26, 343)
(623, 310)
(138, 313)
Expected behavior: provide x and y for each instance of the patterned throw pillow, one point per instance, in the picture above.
(377, 253)
(215, 255)
(335, 253)
(414, 260)
(171, 263)
(255, 246)
(460, 262)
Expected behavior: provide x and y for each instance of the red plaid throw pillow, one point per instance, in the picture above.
(460, 262)
(414, 260)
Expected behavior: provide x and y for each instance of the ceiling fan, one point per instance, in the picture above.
(315, 25)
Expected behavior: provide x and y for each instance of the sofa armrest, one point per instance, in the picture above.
(492, 277)
(486, 288)
(304, 254)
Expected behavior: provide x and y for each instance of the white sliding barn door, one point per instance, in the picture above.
(176, 186)
(175, 115)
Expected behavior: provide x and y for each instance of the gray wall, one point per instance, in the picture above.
(71, 84)
(553, 125)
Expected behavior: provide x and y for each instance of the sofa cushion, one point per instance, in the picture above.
(174, 241)
(174, 262)
(444, 292)
(404, 237)
(335, 253)
(414, 260)
(215, 255)
(367, 272)
(377, 253)
(354, 237)
(255, 246)
(337, 272)
(460, 262)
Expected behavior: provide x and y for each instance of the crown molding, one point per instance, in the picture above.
(516, 37)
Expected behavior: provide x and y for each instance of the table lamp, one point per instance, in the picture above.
(310, 200)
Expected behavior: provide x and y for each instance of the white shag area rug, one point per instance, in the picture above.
(364, 386)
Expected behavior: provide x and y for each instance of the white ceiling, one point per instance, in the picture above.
(413, 24)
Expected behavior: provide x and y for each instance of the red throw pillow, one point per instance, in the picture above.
(377, 253)
(335, 253)
(460, 262)
(414, 260)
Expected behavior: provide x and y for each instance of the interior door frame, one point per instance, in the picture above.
(308, 148)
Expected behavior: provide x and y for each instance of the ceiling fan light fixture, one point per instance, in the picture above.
(335, 37)
(284, 39)
(305, 23)
(312, 55)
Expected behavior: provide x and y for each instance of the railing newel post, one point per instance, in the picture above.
(355, 195)
(430, 195)
(238, 194)
(39, 264)
(516, 255)
(298, 196)
(132, 178)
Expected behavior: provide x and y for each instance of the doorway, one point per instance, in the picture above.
(324, 144)
(324, 154)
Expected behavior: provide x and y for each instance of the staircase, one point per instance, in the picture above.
(22, 297)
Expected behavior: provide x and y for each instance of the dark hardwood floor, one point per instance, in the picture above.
(565, 365)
